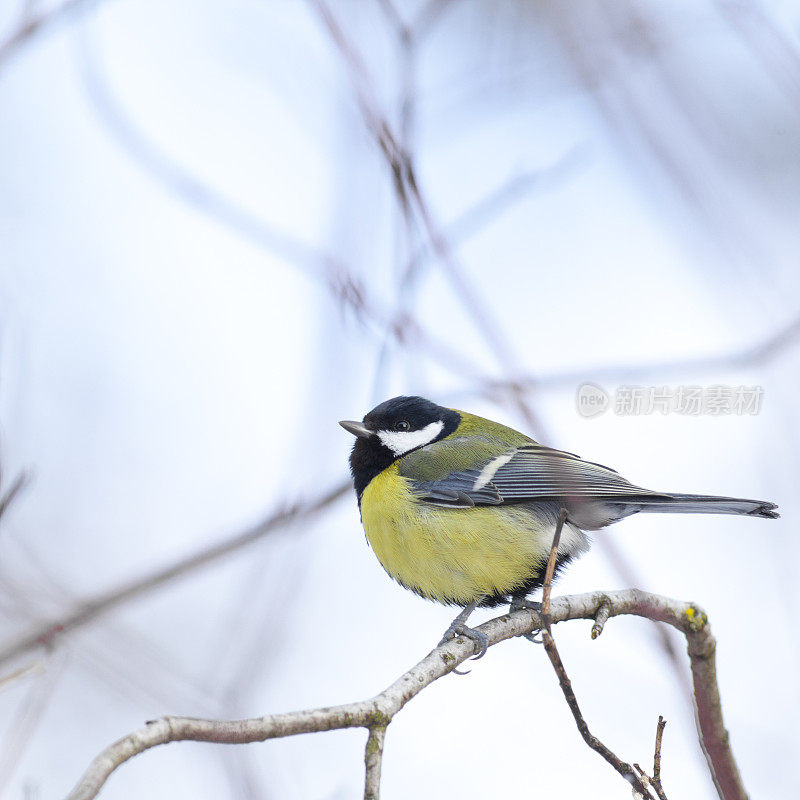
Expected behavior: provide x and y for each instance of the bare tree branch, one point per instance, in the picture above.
(378, 711)
(47, 633)
(373, 760)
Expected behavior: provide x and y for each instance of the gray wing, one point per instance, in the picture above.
(527, 474)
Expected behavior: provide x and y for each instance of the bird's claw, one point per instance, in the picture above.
(533, 605)
(520, 602)
(480, 639)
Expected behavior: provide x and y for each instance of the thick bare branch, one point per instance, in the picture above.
(379, 710)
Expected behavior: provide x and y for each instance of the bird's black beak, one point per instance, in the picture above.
(357, 429)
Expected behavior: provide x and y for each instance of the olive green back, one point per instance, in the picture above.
(473, 444)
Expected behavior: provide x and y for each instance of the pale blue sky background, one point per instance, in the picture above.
(173, 364)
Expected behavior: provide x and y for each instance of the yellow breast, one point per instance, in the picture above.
(452, 555)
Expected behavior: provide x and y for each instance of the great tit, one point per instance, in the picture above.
(462, 510)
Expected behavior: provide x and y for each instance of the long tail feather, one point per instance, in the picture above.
(709, 504)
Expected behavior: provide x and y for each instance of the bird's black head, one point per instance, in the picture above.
(392, 429)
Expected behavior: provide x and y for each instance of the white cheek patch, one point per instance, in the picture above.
(400, 442)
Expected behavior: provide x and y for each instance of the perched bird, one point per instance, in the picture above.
(463, 510)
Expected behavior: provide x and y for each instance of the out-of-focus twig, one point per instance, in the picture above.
(346, 287)
(378, 711)
(48, 632)
(23, 672)
(31, 24)
(8, 496)
(776, 51)
(26, 720)
(410, 193)
(428, 16)
(758, 355)
(498, 201)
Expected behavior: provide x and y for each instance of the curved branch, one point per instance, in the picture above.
(377, 712)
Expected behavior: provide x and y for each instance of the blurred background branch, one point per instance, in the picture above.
(48, 634)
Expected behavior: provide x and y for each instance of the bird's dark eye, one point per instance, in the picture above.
(401, 426)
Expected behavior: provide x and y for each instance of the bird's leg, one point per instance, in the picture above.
(459, 627)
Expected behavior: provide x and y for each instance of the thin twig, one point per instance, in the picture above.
(498, 201)
(13, 491)
(408, 189)
(551, 564)
(428, 16)
(657, 759)
(626, 770)
(27, 719)
(623, 768)
(373, 759)
(395, 18)
(381, 709)
(33, 668)
(31, 24)
(764, 352)
(600, 619)
(346, 287)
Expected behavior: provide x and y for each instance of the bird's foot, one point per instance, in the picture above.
(520, 602)
(458, 628)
